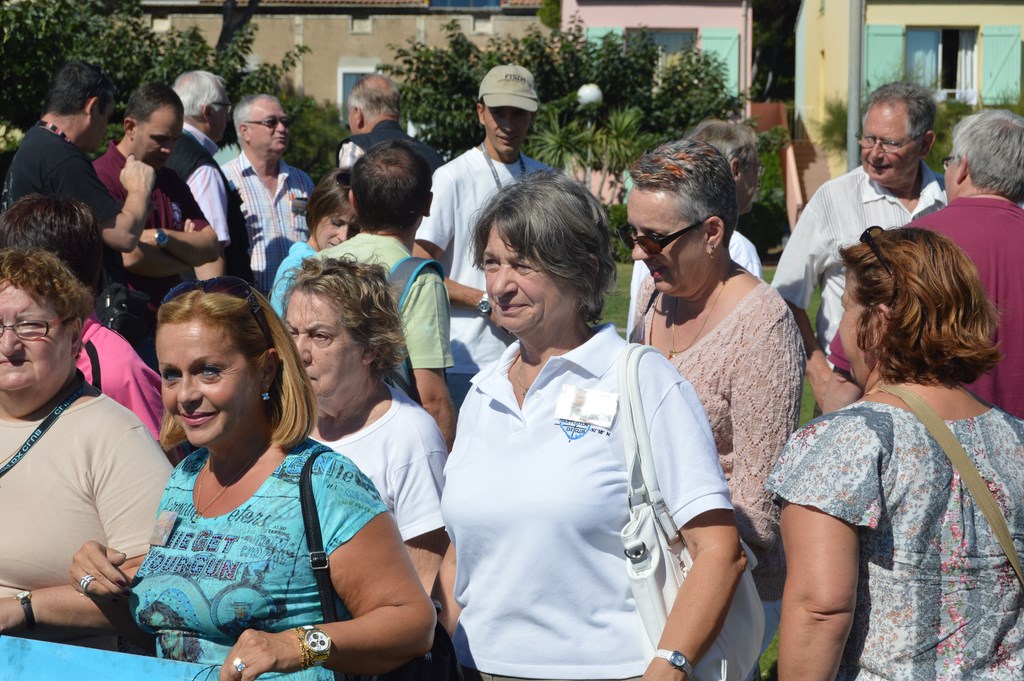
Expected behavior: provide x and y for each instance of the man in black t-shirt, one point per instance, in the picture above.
(51, 158)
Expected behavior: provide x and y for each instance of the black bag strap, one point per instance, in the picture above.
(94, 360)
(311, 520)
(317, 557)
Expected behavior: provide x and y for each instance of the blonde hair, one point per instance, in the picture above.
(291, 408)
(940, 323)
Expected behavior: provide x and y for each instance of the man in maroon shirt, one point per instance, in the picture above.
(985, 185)
(177, 237)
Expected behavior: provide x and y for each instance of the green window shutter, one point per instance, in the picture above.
(1000, 64)
(883, 55)
(724, 43)
(597, 34)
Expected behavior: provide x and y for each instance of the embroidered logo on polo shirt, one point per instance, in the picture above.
(573, 430)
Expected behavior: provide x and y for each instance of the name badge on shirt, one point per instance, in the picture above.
(163, 528)
(582, 405)
(299, 204)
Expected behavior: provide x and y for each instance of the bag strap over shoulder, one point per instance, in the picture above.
(311, 520)
(964, 467)
(94, 362)
(636, 439)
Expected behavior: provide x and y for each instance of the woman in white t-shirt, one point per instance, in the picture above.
(535, 491)
(343, 318)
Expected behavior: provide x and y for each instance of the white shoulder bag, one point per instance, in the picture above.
(657, 560)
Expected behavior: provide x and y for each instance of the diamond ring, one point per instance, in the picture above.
(85, 582)
(239, 665)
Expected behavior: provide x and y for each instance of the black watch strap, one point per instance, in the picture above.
(25, 598)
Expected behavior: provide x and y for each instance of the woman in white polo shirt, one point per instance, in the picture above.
(534, 498)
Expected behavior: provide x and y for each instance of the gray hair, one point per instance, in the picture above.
(375, 95)
(918, 100)
(556, 224)
(697, 174)
(244, 108)
(733, 140)
(198, 89)
(992, 142)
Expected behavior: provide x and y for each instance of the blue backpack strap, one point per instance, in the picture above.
(401, 277)
(404, 273)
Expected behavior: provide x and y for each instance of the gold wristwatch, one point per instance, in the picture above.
(316, 646)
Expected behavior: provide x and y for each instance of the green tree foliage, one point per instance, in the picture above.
(37, 36)
(550, 13)
(647, 98)
(767, 220)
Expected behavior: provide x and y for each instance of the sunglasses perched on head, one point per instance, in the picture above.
(652, 244)
(868, 237)
(231, 286)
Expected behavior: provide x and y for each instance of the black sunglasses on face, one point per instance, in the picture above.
(232, 286)
(272, 121)
(652, 244)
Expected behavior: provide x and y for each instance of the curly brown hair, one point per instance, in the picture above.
(365, 304)
(940, 322)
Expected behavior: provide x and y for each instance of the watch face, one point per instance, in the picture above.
(23, 595)
(318, 641)
(484, 307)
(677, 659)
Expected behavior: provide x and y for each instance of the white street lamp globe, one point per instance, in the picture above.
(589, 93)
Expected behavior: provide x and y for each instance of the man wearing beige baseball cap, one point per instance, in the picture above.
(506, 108)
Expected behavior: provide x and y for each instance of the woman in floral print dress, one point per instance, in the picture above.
(894, 572)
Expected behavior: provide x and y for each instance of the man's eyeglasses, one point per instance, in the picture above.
(223, 105)
(653, 244)
(28, 330)
(231, 286)
(888, 146)
(272, 121)
(947, 161)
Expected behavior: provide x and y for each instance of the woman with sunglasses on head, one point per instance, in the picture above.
(536, 491)
(344, 321)
(726, 331)
(895, 572)
(76, 464)
(229, 583)
(331, 219)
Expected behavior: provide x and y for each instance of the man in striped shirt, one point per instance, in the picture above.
(274, 194)
(891, 187)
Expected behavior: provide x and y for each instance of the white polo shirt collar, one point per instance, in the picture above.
(933, 190)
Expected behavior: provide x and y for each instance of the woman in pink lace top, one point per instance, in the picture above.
(726, 331)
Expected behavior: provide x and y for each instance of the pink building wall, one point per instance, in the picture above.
(734, 14)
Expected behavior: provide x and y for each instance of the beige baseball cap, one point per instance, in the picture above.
(509, 85)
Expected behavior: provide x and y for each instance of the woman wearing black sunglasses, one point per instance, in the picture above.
(228, 580)
(895, 570)
(727, 332)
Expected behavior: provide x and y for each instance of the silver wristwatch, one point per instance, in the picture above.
(161, 238)
(677, 660)
(484, 306)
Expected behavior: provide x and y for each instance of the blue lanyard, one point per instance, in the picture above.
(45, 425)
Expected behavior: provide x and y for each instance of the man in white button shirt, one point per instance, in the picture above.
(207, 112)
(892, 186)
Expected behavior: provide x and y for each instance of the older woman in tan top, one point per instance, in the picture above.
(726, 331)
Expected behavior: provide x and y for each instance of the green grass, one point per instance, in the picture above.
(616, 310)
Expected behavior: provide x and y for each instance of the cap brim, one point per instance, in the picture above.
(517, 101)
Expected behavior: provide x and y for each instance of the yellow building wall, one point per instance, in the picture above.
(339, 41)
(826, 65)
(945, 15)
(826, 62)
